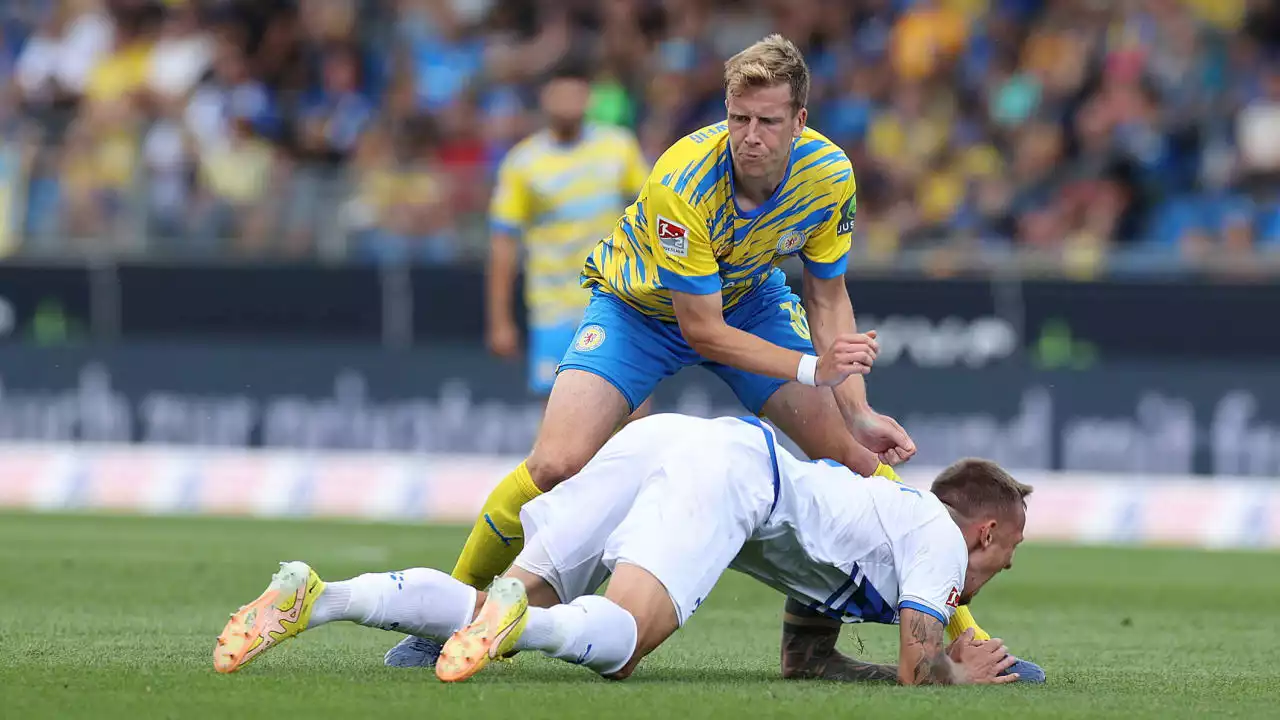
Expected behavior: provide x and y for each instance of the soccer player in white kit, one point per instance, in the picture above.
(667, 506)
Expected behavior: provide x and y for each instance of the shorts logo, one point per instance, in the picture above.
(673, 237)
(953, 600)
(791, 242)
(591, 337)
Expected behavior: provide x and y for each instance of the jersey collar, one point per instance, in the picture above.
(550, 139)
(772, 202)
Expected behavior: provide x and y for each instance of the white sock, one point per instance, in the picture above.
(417, 601)
(590, 631)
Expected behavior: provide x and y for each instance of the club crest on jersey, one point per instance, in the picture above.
(791, 241)
(953, 600)
(673, 237)
(591, 337)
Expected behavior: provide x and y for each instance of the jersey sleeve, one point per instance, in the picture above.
(933, 573)
(680, 243)
(509, 209)
(826, 256)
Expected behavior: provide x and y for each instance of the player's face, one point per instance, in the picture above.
(564, 101)
(762, 124)
(997, 542)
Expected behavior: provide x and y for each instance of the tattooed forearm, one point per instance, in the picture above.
(809, 651)
(922, 638)
(934, 671)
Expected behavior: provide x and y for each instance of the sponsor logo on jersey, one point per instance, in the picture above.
(673, 237)
(791, 242)
(846, 216)
(953, 600)
(591, 337)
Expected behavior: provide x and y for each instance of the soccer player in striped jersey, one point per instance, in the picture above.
(690, 276)
(558, 192)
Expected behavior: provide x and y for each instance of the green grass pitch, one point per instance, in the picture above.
(113, 617)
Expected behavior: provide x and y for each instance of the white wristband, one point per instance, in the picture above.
(807, 371)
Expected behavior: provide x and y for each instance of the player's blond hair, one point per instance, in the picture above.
(772, 61)
(978, 489)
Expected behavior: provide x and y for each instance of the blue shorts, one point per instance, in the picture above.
(634, 351)
(547, 345)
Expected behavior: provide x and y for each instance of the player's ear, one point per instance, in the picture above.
(802, 117)
(987, 535)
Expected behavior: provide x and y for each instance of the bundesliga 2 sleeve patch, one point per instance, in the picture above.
(845, 225)
(673, 237)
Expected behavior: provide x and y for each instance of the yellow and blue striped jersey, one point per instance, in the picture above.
(686, 233)
(560, 200)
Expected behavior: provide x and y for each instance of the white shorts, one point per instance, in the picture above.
(674, 495)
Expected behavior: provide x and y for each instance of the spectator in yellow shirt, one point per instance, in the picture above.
(926, 37)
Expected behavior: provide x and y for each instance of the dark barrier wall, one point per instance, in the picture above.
(1177, 416)
(928, 323)
(1132, 377)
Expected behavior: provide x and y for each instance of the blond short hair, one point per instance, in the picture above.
(978, 489)
(769, 62)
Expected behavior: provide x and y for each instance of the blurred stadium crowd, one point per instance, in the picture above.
(1140, 132)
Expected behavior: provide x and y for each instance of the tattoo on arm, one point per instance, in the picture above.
(933, 667)
(809, 650)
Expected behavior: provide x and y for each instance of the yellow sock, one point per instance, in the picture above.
(963, 620)
(496, 538)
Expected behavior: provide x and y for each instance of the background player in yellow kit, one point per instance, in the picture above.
(558, 192)
(689, 276)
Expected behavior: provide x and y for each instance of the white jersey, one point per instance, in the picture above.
(857, 549)
(687, 498)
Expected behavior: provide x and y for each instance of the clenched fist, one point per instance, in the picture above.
(980, 662)
(848, 355)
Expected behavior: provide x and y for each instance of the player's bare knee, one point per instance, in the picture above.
(644, 597)
(625, 672)
(551, 467)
